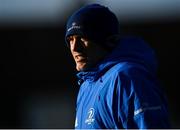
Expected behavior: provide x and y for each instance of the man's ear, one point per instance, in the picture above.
(112, 41)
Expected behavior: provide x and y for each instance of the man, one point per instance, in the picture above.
(117, 76)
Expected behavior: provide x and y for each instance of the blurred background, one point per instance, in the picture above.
(38, 86)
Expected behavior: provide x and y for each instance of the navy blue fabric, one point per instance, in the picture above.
(94, 22)
(122, 91)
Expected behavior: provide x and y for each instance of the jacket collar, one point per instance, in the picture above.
(131, 49)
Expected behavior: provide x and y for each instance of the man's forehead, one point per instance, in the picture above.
(79, 37)
(74, 36)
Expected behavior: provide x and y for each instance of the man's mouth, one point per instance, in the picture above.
(80, 58)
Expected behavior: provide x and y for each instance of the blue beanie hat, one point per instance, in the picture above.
(94, 22)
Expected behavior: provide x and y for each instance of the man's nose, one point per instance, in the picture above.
(76, 45)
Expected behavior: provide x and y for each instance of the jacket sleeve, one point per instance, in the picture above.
(139, 103)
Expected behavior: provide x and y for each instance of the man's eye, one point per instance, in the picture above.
(84, 40)
(69, 39)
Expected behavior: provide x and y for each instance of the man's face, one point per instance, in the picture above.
(85, 53)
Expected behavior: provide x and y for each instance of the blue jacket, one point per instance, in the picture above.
(122, 91)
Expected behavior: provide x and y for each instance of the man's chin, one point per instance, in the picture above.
(82, 67)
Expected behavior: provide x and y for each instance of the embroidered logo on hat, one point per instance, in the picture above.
(74, 26)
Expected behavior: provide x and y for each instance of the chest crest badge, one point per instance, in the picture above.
(90, 119)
